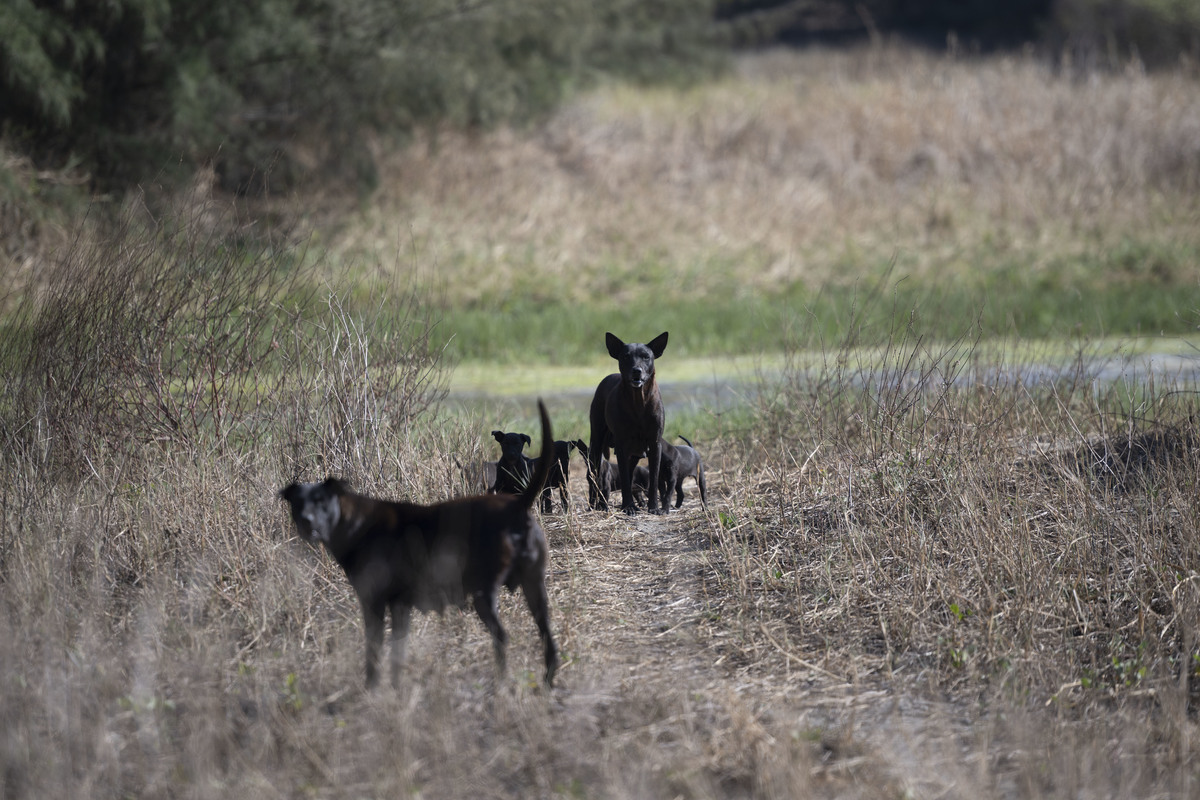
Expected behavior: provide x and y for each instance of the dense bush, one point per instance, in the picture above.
(131, 87)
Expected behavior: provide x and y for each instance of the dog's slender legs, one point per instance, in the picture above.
(539, 607)
(625, 465)
(401, 616)
(653, 463)
(488, 610)
(373, 625)
(597, 496)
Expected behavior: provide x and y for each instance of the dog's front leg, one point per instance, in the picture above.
(487, 609)
(373, 626)
(401, 616)
(597, 487)
(654, 464)
(666, 486)
(625, 467)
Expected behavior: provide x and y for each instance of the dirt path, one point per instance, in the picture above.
(647, 605)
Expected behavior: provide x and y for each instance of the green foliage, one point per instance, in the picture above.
(133, 86)
(43, 59)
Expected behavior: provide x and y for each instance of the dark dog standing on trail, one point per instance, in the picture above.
(678, 462)
(514, 468)
(401, 556)
(627, 412)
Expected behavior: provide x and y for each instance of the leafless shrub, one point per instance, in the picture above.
(146, 337)
(156, 345)
(360, 381)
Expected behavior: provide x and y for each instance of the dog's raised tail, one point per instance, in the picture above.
(533, 490)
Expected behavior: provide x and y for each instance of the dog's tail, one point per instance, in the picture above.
(533, 489)
(685, 439)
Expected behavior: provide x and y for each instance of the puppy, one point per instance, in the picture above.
(401, 556)
(514, 467)
(560, 472)
(627, 412)
(678, 462)
(687, 463)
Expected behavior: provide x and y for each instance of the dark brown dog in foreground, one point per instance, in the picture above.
(627, 412)
(401, 556)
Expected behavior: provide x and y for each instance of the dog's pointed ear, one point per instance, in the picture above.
(615, 345)
(498, 436)
(336, 485)
(658, 345)
(525, 438)
(288, 492)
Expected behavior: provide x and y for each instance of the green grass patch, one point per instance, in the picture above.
(1011, 302)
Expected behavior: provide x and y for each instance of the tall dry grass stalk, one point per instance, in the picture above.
(801, 163)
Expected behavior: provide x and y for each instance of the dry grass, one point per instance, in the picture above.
(927, 634)
(804, 166)
(907, 584)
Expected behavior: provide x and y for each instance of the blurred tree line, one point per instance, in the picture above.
(129, 89)
(1097, 34)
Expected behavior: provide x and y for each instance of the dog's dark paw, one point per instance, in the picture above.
(658, 511)
(630, 509)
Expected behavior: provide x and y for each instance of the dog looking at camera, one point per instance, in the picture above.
(400, 556)
(627, 413)
(514, 468)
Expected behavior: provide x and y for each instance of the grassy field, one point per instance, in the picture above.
(928, 567)
(748, 212)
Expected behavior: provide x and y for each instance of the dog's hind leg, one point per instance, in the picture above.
(539, 606)
(487, 608)
(401, 616)
(373, 627)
